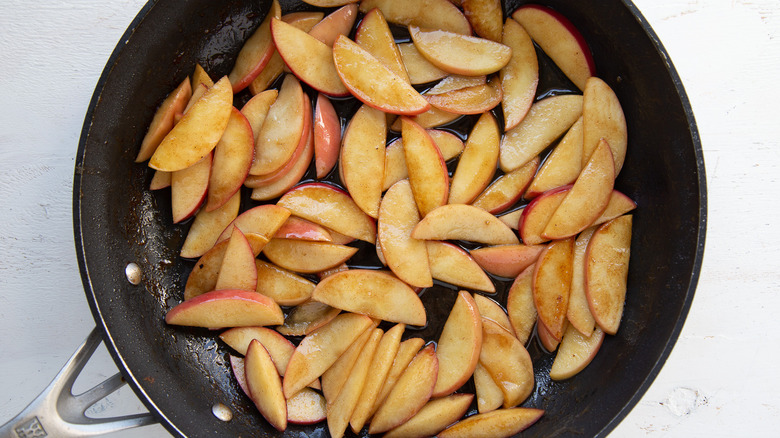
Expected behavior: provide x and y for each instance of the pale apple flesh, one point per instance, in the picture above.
(520, 306)
(163, 120)
(575, 353)
(499, 423)
(508, 362)
(281, 285)
(434, 417)
(265, 385)
(427, 169)
(464, 222)
(606, 271)
(226, 308)
(459, 345)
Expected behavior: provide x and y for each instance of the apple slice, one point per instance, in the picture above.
(470, 100)
(198, 132)
(419, 69)
(450, 145)
(263, 220)
(459, 345)
(606, 271)
(434, 417)
(203, 277)
(373, 293)
(327, 136)
(456, 82)
(432, 118)
(537, 214)
(460, 54)
(162, 180)
(477, 164)
(493, 311)
(304, 20)
(562, 166)
(232, 160)
(189, 188)
(256, 110)
(507, 189)
(197, 93)
(226, 308)
(368, 79)
(546, 121)
(237, 365)
(575, 353)
(489, 395)
(320, 349)
(307, 317)
(578, 312)
(363, 158)
(306, 407)
(163, 120)
(603, 118)
(427, 170)
(428, 14)
(619, 204)
(300, 229)
(410, 393)
(508, 362)
(336, 375)
(255, 52)
(520, 306)
(548, 341)
(205, 229)
(374, 35)
(406, 352)
(338, 22)
(464, 222)
(587, 198)
(485, 17)
(281, 285)
(329, 3)
(551, 285)
(265, 386)
(405, 256)
(520, 77)
(199, 76)
(500, 423)
(238, 269)
(560, 40)
(451, 264)
(307, 257)
(506, 260)
(395, 164)
(512, 218)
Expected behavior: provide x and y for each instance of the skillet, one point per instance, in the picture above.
(180, 373)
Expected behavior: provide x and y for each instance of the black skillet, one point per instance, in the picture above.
(181, 373)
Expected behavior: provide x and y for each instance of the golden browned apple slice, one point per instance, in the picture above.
(507, 189)
(490, 309)
(300, 229)
(197, 93)
(406, 352)
(508, 362)
(548, 341)
(464, 222)
(333, 378)
(232, 160)
(307, 317)
(281, 285)
(255, 52)
(419, 69)
(520, 306)
(485, 17)
(265, 386)
(427, 170)
(363, 158)
(459, 345)
(489, 395)
(587, 198)
(306, 407)
(226, 308)
(189, 187)
(506, 260)
(428, 14)
(338, 22)
(203, 277)
(410, 393)
(603, 118)
(320, 349)
(199, 76)
(307, 257)
(368, 79)
(330, 207)
(477, 164)
(456, 82)
(496, 424)
(256, 110)
(163, 120)
(606, 271)
(207, 226)
(198, 132)
(470, 100)
(520, 76)
(546, 121)
(263, 220)
(327, 136)
(562, 166)
(453, 265)
(161, 180)
(434, 417)
(432, 118)
(374, 35)
(512, 218)
(405, 256)
(238, 269)
(450, 146)
(575, 353)
(578, 312)
(537, 214)
(329, 3)
(460, 54)
(619, 204)
(373, 293)
(551, 284)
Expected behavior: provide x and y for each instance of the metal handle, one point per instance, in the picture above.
(57, 412)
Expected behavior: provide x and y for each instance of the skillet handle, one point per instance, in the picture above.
(56, 412)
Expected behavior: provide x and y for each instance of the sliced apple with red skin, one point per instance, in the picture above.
(226, 308)
(198, 132)
(456, 82)
(307, 257)
(406, 352)
(578, 312)
(330, 3)
(374, 84)
(619, 204)
(560, 40)
(477, 164)
(273, 69)
(363, 158)
(330, 207)
(464, 222)
(205, 229)
(320, 349)
(410, 393)
(199, 76)
(160, 180)
(546, 121)
(308, 58)
(373, 293)
(428, 14)
(575, 353)
(434, 417)
(470, 100)
(336, 375)
(304, 20)
(548, 341)
(238, 269)
(606, 271)
(163, 120)
(300, 229)
(237, 365)
(507, 189)
(551, 285)
(374, 35)
(537, 214)
(263, 220)
(562, 166)
(281, 285)
(189, 188)
(603, 118)
(256, 110)
(255, 52)
(490, 309)
(405, 256)
(203, 277)
(419, 69)
(338, 22)
(520, 306)
(587, 198)
(499, 423)
(306, 407)
(307, 317)
(432, 118)
(427, 170)
(459, 345)
(451, 264)
(327, 136)
(232, 160)
(508, 362)
(512, 218)
(450, 146)
(265, 386)
(460, 54)
(197, 93)
(485, 17)
(489, 395)
(506, 260)
(520, 77)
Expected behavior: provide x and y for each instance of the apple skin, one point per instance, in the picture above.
(338, 22)
(163, 120)
(255, 53)
(537, 214)
(327, 136)
(507, 189)
(226, 308)
(189, 188)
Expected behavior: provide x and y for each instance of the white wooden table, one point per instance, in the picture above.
(720, 379)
